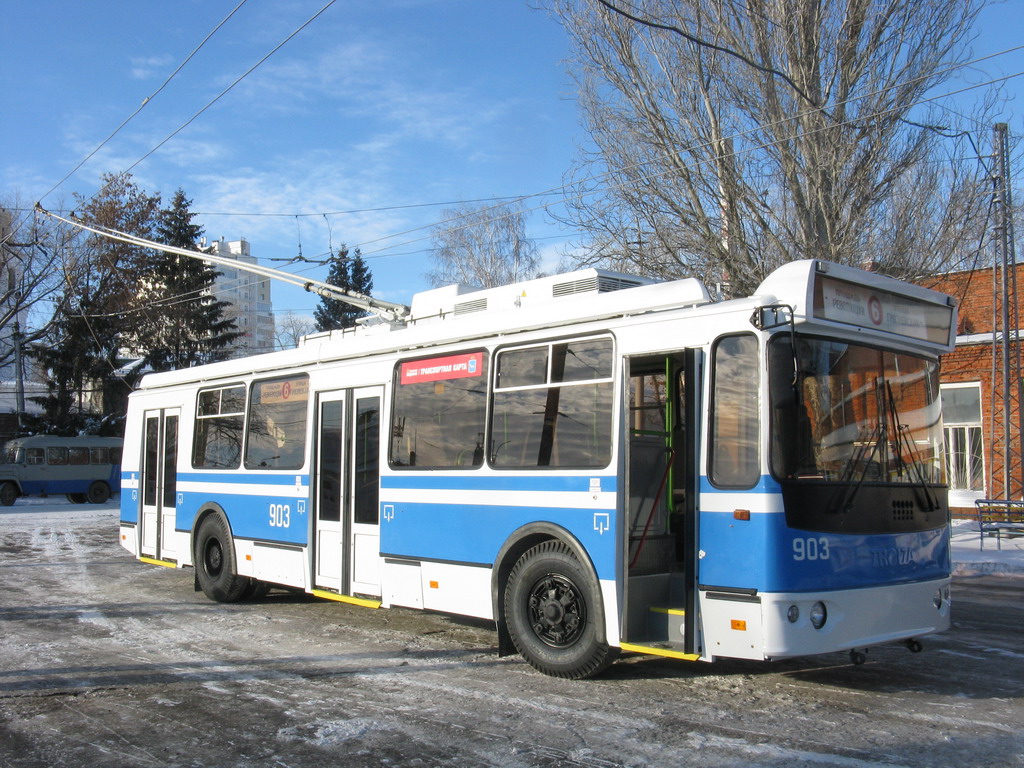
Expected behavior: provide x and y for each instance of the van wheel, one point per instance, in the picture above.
(98, 492)
(76, 498)
(551, 612)
(215, 562)
(8, 493)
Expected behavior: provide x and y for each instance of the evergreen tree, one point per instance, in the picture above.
(350, 274)
(185, 325)
(65, 405)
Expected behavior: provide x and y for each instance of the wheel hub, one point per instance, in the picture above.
(214, 558)
(557, 614)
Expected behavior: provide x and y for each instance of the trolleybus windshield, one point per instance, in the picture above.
(849, 413)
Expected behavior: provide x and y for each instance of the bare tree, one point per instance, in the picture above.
(734, 135)
(486, 247)
(289, 327)
(34, 256)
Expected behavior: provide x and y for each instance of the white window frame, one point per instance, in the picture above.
(964, 497)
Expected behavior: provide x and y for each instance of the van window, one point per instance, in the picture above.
(57, 456)
(78, 455)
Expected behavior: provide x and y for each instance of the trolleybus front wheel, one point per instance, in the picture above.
(550, 609)
(215, 562)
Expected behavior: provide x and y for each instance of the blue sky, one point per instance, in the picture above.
(376, 109)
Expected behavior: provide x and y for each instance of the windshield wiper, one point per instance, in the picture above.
(877, 442)
(903, 441)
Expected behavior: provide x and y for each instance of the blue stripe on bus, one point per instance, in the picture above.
(473, 533)
(426, 481)
(763, 553)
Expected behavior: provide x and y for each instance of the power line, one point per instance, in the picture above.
(378, 209)
(224, 92)
(144, 103)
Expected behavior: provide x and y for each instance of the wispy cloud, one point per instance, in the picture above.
(148, 67)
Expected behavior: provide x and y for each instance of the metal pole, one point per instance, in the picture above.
(19, 375)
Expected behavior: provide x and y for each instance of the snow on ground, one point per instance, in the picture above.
(972, 555)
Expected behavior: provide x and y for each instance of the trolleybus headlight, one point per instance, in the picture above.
(818, 615)
(793, 614)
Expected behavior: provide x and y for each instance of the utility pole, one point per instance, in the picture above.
(19, 374)
(1006, 418)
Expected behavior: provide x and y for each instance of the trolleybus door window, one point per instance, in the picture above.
(330, 491)
(347, 489)
(159, 484)
(660, 537)
(365, 482)
(735, 455)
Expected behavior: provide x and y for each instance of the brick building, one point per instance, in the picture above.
(972, 407)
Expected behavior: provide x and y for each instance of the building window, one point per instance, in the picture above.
(965, 453)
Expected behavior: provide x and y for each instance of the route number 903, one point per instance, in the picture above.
(280, 515)
(811, 549)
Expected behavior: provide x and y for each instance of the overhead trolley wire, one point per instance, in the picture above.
(237, 80)
(144, 103)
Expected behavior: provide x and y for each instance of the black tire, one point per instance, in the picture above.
(8, 493)
(98, 492)
(551, 610)
(215, 562)
(76, 498)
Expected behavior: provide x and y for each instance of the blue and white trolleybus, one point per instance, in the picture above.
(596, 462)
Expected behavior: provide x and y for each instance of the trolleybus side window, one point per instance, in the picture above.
(553, 405)
(439, 410)
(276, 434)
(735, 456)
(218, 428)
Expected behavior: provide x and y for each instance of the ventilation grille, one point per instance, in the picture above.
(902, 511)
(477, 305)
(595, 284)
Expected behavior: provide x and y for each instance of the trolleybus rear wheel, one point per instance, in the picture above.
(215, 562)
(550, 610)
